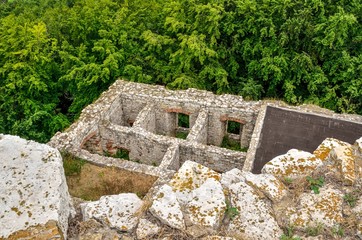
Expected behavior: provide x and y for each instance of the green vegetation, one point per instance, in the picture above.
(232, 144)
(289, 234)
(351, 198)
(315, 230)
(183, 120)
(121, 153)
(233, 127)
(181, 135)
(72, 165)
(338, 231)
(58, 56)
(315, 184)
(231, 211)
(288, 180)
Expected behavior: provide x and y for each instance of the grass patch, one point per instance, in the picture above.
(289, 234)
(232, 144)
(72, 165)
(351, 198)
(93, 181)
(181, 135)
(315, 230)
(121, 153)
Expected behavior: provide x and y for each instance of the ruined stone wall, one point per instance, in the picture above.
(144, 120)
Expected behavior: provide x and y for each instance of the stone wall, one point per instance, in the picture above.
(284, 128)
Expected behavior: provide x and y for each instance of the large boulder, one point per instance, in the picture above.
(326, 146)
(268, 184)
(342, 158)
(255, 218)
(295, 163)
(358, 146)
(167, 209)
(145, 229)
(230, 177)
(313, 209)
(208, 205)
(190, 176)
(35, 202)
(116, 211)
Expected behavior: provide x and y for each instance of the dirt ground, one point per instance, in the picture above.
(94, 182)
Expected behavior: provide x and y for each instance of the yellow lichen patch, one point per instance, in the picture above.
(326, 146)
(40, 232)
(322, 152)
(124, 228)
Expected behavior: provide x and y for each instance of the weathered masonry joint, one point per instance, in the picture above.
(157, 130)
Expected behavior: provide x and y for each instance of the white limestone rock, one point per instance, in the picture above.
(323, 208)
(294, 163)
(208, 205)
(358, 146)
(190, 176)
(358, 208)
(116, 211)
(326, 146)
(146, 229)
(230, 177)
(255, 219)
(342, 158)
(271, 186)
(166, 208)
(33, 189)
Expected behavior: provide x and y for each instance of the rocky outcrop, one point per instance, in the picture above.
(190, 176)
(323, 150)
(196, 190)
(342, 158)
(35, 202)
(323, 208)
(208, 205)
(233, 176)
(117, 211)
(358, 146)
(146, 229)
(255, 219)
(167, 209)
(268, 184)
(294, 163)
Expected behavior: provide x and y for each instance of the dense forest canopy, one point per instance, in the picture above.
(57, 56)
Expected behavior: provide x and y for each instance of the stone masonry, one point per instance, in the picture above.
(143, 119)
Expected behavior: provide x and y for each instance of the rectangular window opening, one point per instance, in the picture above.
(183, 120)
(233, 127)
(183, 125)
(232, 137)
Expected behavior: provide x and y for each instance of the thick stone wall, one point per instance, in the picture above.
(285, 128)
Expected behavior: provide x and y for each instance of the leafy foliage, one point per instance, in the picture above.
(58, 56)
(315, 184)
